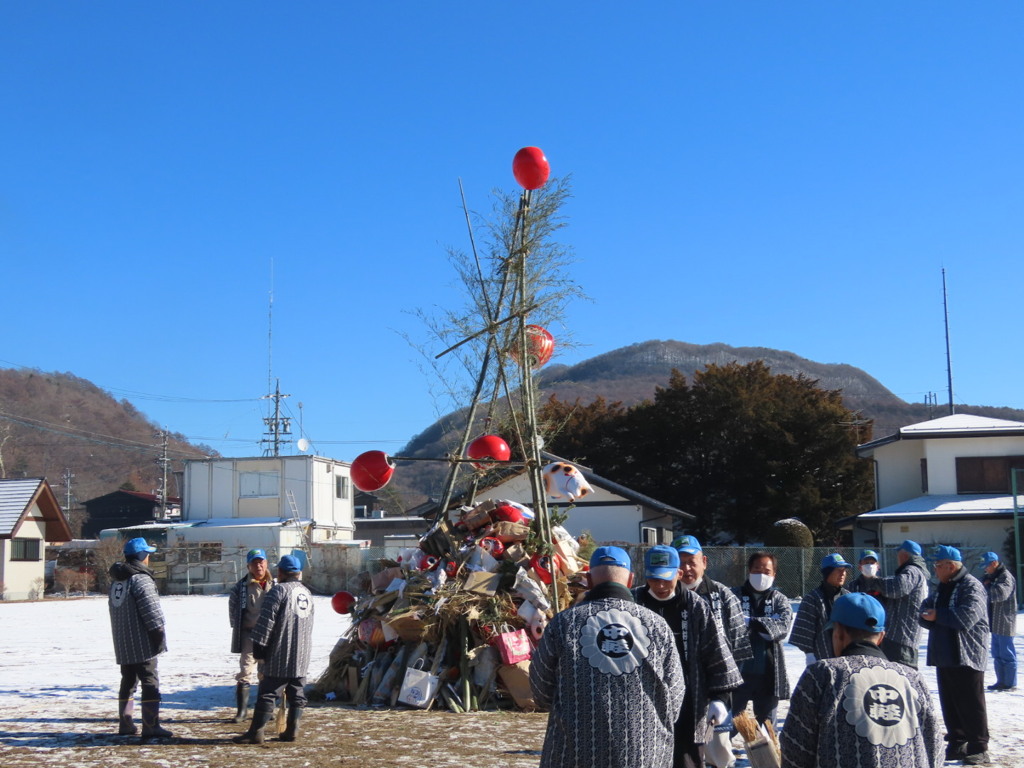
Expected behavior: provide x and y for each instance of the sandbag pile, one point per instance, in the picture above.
(453, 621)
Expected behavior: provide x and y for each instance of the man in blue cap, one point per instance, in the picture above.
(810, 631)
(283, 640)
(608, 671)
(137, 623)
(903, 593)
(709, 670)
(244, 603)
(1002, 616)
(956, 617)
(857, 707)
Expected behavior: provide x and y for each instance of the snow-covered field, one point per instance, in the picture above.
(58, 692)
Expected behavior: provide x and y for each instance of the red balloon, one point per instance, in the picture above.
(540, 346)
(343, 601)
(490, 447)
(531, 168)
(372, 470)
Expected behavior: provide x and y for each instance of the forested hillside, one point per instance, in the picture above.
(56, 422)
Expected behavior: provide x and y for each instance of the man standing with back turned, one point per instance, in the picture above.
(138, 627)
(283, 640)
(608, 671)
(903, 592)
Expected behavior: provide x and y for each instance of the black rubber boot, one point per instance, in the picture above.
(151, 722)
(125, 723)
(292, 729)
(241, 702)
(254, 735)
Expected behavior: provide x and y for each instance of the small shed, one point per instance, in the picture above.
(30, 516)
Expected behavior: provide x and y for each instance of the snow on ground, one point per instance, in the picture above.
(58, 682)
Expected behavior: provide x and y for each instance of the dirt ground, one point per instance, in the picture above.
(330, 735)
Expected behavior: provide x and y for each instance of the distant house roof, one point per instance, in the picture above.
(136, 494)
(956, 425)
(429, 508)
(939, 507)
(17, 498)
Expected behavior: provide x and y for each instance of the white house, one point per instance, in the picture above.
(30, 516)
(945, 481)
(612, 512)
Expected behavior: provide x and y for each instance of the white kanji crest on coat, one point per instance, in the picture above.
(118, 593)
(614, 642)
(302, 602)
(880, 703)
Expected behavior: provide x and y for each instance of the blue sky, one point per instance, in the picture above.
(791, 175)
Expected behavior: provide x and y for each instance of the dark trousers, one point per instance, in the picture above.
(144, 674)
(962, 698)
(271, 687)
(685, 753)
(760, 689)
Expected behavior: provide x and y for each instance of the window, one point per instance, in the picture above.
(341, 487)
(650, 535)
(361, 511)
(252, 485)
(985, 474)
(924, 475)
(25, 549)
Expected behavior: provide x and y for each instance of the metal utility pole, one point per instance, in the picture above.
(67, 477)
(276, 425)
(949, 358)
(163, 461)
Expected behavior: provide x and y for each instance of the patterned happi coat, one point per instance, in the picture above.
(772, 621)
(809, 633)
(134, 612)
(959, 636)
(861, 711)
(608, 671)
(904, 592)
(708, 666)
(285, 627)
(1002, 603)
(728, 613)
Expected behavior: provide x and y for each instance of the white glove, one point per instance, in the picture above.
(717, 713)
(810, 658)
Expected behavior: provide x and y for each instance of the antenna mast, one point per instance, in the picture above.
(277, 425)
(949, 358)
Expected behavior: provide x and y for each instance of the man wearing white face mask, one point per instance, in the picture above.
(708, 667)
(867, 570)
(768, 616)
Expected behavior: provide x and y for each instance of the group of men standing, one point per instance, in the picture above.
(607, 672)
(271, 630)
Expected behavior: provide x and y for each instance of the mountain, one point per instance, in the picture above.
(51, 423)
(631, 374)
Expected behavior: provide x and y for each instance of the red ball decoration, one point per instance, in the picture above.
(372, 470)
(540, 346)
(343, 601)
(531, 168)
(490, 447)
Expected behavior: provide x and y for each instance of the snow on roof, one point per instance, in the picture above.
(242, 522)
(962, 422)
(946, 506)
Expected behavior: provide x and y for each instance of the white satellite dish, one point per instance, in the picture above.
(302, 444)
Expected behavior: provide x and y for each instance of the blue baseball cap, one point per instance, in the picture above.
(858, 610)
(137, 546)
(868, 553)
(255, 554)
(945, 552)
(289, 564)
(834, 561)
(661, 562)
(688, 545)
(911, 546)
(990, 557)
(610, 556)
